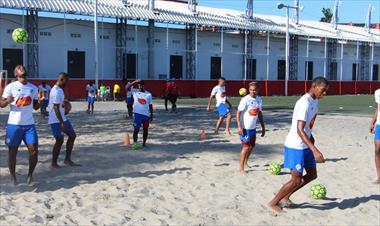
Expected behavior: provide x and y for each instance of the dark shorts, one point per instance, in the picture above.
(139, 120)
(248, 137)
(58, 132)
(173, 98)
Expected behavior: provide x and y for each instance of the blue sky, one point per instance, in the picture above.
(349, 11)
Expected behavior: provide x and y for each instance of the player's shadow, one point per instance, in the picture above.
(344, 204)
(336, 159)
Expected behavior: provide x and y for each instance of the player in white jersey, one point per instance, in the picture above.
(44, 90)
(22, 97)
(249, 110)
(375, 128)
(59, 123)
(299, 151)
(91, 96)
(219, 93)
(142, 109)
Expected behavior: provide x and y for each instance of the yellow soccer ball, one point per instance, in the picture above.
(242, 91)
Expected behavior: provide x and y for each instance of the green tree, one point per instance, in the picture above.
(327, 15)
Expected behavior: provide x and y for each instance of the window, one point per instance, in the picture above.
(176, 42)
(74, 35)
(308, 70)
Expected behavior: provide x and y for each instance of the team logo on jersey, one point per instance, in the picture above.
(24, 101)
(141, 100)
(298, 167)
(223, 95)
(253, 112)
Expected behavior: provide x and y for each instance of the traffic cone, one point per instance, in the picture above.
(127, 141)
(203, 135)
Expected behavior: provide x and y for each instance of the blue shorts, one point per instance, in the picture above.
(16, 133)
(223, 110)
(297, 159)
(58, 132)
(44, 103)
(129, 100)
(140, 119)
(91, 100)
(377, 132)
(248, 137)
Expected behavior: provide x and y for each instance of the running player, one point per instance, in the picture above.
(59, 123)
(249, 110)
(44, 89)
(142, 109)
(91, 90)
(375, 128)
(299, 150)
(219, 92)
(22, 97)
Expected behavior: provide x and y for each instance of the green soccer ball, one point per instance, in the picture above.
(19, 35)
(318, 191)
(136, 146)
(275, 168)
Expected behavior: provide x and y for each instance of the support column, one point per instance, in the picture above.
(121, 47)
(331, 64)
(32, 44)
(151, 49)
(191, 51)
(364, 62)
(293, 58)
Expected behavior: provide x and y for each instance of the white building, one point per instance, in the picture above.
(62, 39)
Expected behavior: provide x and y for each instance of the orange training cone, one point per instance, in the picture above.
(127, 141)
(203, 135)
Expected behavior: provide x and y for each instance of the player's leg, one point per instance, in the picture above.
(70, 132)
(252, 145)
(56, 131)
(137, 121)
(88, 104)
(228, 123)
(218, 124)
(377, 160)
(287, 188)
(243, 153)
(31, 141)
(13, 138)
(166, 99)
(145, 130)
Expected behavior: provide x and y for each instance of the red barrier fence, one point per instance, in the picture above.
(202, 88)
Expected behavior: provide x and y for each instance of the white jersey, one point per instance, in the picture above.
(220, 94)
(377, 99)
(22, 107)
(57, 96)
(141, 102)
(306, 109)
(91, 90)
(250, 108)
(46, 90)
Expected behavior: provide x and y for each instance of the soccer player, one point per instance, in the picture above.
(249, 110)
(165, 93)
(129, 100)
(59, 123)
(45, 90)
(375, 128)
(142, 109)
(91, 90)
(219, 92)
(299, 150)
(116, 91)
(173, 94)
(22, 97)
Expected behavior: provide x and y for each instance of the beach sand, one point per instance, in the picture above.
(181, 180)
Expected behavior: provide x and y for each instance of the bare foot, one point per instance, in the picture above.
(227, 132)
(29, 179)
(55, 166)
(216, 132)
(70, 163)
(13, 180)
(286, 202)
(376, 181)
(275, 208)
(247, 166)
(242, 172)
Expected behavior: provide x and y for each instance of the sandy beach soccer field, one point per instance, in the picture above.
(180, 180)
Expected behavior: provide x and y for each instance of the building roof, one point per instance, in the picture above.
(174, 12)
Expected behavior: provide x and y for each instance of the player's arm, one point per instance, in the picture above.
(261, 120)
(151, 111)
(59, 116)
(37, 102)
(373, 121)
(6, 98)
(209, 102)
(238, 115)
(301, 132)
